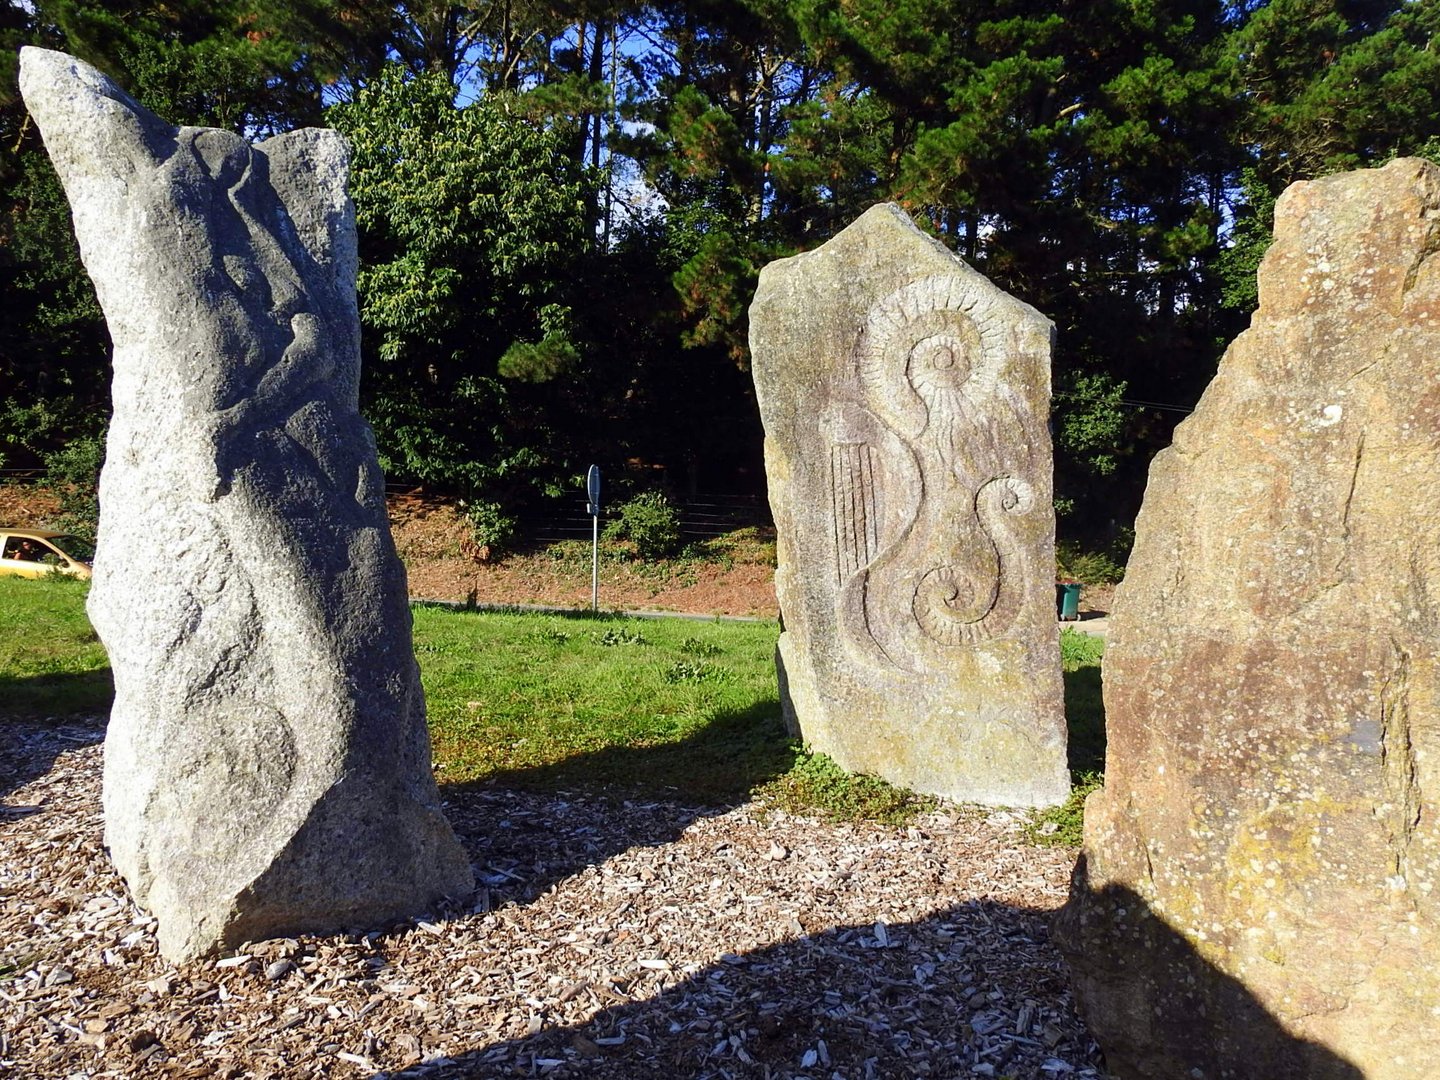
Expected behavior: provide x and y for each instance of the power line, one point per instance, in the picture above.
(1128, 401)
(1155, 405)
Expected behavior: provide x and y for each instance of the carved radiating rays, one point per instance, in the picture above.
(937, 341)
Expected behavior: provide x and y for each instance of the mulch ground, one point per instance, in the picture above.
(608, 938)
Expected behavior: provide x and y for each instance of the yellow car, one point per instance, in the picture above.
(34, 553)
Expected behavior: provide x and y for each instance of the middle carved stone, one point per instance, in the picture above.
(905, 401)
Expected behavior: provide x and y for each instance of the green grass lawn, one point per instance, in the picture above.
(669, 706)
(51, 662)
(1080, 656)
(663, 708)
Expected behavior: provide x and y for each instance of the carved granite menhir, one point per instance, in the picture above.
(905, 402)
(1259, 894)
(267, 766)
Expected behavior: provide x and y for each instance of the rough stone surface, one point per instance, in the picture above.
(1258, 893)
(905, 401)
(267, 766)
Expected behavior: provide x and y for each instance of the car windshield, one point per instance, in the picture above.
(77, 547)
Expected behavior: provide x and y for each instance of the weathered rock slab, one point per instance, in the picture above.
(905, 402)
(1266, 843)
(267, 765)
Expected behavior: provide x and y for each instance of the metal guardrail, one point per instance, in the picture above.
(22, 476)
(703, 518)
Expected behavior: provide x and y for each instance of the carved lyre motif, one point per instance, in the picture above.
(852, 490)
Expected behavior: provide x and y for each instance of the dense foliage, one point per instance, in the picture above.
(564, 207)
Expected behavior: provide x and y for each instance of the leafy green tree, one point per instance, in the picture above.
(1079, 155)
(1323, 86)
(258, 67)
(54, 381)
(472, 226)
(1331, 85)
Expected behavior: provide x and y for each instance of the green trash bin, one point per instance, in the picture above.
(1067, 600)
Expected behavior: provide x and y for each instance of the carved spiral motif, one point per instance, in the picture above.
(960, 605)
(923, 346)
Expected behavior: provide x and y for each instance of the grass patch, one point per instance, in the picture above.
(664, 708)
(660, 708)
(816, 783)
(653, 707)
(1064, 825)
(1080, 656)
(51, 662)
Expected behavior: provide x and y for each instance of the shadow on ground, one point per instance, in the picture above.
(935, 997)
(1085, 721)
(974, 990)
(526, 829)
(1160, 1009)
(42, 716)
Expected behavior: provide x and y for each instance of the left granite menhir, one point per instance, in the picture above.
(267, 765)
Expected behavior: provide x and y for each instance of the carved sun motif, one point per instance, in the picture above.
(922, 346)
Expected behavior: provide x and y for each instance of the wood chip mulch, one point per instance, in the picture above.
(608, 939)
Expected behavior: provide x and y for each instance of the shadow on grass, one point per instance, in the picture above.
(526, 829)
(58, 697)
(719, 765)
(42, 716)
(1085, 719)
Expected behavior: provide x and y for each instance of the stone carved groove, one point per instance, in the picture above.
(928, 357)
(852, 472)
(953, 604)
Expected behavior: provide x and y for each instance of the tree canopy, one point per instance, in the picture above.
(564, 206)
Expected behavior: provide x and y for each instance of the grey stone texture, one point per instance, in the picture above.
(1267, 843)
(267, 765)
(905, 402)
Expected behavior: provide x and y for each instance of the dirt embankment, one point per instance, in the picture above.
(733, 575)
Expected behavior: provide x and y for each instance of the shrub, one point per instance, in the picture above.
(1090, 567)
(492, 530)
(73, 473)
(651, 522)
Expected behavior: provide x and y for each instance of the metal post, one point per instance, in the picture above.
(592, 489)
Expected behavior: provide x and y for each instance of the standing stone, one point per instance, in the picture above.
(267, 766)
(1267, 841)
(905, 402)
